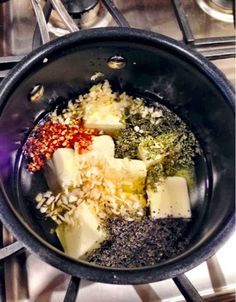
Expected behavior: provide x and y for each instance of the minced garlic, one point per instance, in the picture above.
(103, 193)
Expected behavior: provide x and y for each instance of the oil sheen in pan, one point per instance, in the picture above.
(29, 185)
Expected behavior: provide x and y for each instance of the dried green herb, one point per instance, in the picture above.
(127, 143)
(165, 133)
(128, 140)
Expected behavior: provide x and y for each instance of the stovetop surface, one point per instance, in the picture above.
(22, 273)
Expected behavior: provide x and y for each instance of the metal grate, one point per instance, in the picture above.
(189, 39)
(223, 47)
(188, 291)
(226, 51)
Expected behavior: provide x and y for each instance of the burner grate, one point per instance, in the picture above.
(72, 290)
(213, 48)
(226, 51)
(186, 288)
(189, 38)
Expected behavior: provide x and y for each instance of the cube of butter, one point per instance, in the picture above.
(106, 117)
(84, 236)
(63, 166)
(62, 171)
(103, 145)
(129, 174)
(170, 199)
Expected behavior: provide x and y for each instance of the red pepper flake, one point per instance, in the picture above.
(48, 137)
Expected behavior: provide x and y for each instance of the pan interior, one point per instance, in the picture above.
(149, 73)
(30, 184)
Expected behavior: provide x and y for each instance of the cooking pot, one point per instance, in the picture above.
(149, 65)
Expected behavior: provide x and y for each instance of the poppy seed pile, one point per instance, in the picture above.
(141, 243)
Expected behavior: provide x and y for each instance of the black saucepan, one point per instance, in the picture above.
(154, 67)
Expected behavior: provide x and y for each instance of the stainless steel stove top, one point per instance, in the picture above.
(18, 23)
(29, 279)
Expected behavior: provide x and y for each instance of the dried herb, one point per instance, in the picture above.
(168, 123)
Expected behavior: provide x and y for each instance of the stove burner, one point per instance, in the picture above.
(84, 12)
(78, 7)
(218, 9)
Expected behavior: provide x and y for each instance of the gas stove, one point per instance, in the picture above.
(205, 25)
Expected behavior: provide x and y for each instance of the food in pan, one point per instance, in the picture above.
(119, 174)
